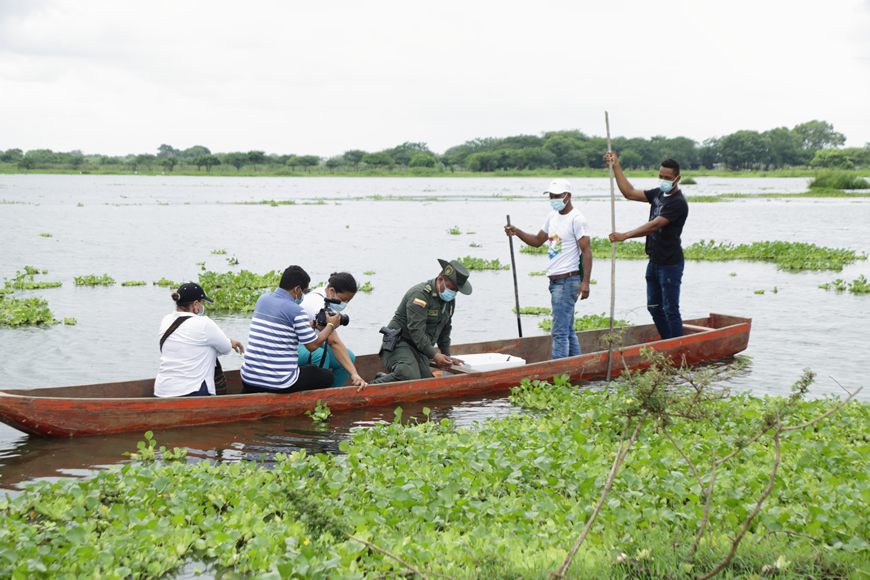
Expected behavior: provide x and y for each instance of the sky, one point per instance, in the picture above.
(319, 78)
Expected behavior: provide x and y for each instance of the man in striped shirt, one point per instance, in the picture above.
(278, 327)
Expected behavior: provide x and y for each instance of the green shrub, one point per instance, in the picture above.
(838, 180)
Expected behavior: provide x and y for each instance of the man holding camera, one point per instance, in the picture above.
(279, 325)
(422, 321)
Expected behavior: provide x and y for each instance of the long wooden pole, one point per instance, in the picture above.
(516, 288)
(612, 252)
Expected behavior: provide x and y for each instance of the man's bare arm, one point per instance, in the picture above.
(625, 187)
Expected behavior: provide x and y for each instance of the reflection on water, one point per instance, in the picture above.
(33, 458)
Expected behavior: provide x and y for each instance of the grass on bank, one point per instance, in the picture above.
(504, 499)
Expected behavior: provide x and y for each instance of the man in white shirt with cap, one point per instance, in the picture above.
(566, 234)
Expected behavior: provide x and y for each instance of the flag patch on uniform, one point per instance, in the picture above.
(419, 302)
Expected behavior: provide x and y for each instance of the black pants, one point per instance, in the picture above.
(311, 377)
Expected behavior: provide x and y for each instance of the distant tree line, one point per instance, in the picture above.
(811, 144)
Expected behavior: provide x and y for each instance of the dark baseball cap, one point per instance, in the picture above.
(192, 291)
(457, 273)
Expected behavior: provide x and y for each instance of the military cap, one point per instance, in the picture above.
(457, 273)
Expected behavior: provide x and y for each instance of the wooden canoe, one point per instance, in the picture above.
(130, 405)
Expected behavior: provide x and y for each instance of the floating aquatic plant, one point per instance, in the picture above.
(587, 322)
(480, 264)
(133, 283)
(25, 312)
(94, 280)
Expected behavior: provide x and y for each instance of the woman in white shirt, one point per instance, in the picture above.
(339, 358)
(189, 353)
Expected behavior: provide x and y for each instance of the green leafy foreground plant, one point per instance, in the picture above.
(321, 412)
(501, 499)
(667, 396)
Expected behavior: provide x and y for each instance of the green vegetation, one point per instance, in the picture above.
(133, 283)
(237, 292)
(838, 180)
(473, 245)
(587, 322)
(271, 202)
(541, 273)
(860, 285)
(706, 198)
(94, 280)
(45, 235)
(24, 280)
(790, 256)
(532, 310)
(365, 287)
(454, 231)
(533, 250)
(25, 312)
(625, 472)
(233, 261)
(167, 283)
(220, 252)
(69, 321)
(688, 181)
(480, 264)
(370, 273)
(565, 153)
(759, 291)
(321, 412)
(732, 274)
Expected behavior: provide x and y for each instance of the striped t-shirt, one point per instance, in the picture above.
(278, 327)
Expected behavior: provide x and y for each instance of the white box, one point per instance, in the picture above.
(490, 361)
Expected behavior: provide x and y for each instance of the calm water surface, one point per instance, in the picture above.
(147, 228)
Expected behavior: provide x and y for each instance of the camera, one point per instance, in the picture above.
(320, 319)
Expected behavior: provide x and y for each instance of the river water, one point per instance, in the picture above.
(151, 227)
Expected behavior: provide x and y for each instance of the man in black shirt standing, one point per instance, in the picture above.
(667, 215)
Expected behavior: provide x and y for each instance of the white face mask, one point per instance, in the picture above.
(666, 185)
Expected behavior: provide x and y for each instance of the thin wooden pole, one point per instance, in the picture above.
(612, 252)
(516, 288)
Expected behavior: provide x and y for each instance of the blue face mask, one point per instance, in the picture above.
(298, 300)
(666, 185)
(201, 312)
(339, 307)
(448, 295)
(558, 204)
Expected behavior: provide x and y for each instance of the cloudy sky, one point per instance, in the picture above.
(113, 77)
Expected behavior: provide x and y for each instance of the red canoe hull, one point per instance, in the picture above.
(130, 406)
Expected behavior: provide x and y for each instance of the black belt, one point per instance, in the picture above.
(568, 275)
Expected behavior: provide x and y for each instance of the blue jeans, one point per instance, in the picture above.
(663, 297)
(202, 392)
(563, 296)
(332, 363)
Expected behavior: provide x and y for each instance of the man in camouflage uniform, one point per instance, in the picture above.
(425, 315)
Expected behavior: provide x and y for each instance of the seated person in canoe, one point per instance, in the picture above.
(340, 290)
(424, 317)
(278, 327)
(190, 344)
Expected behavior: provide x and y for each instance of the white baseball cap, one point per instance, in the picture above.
(558, 186)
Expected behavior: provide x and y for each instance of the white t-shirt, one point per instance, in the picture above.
(561, 230)
(189, 355)
(313, 302)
